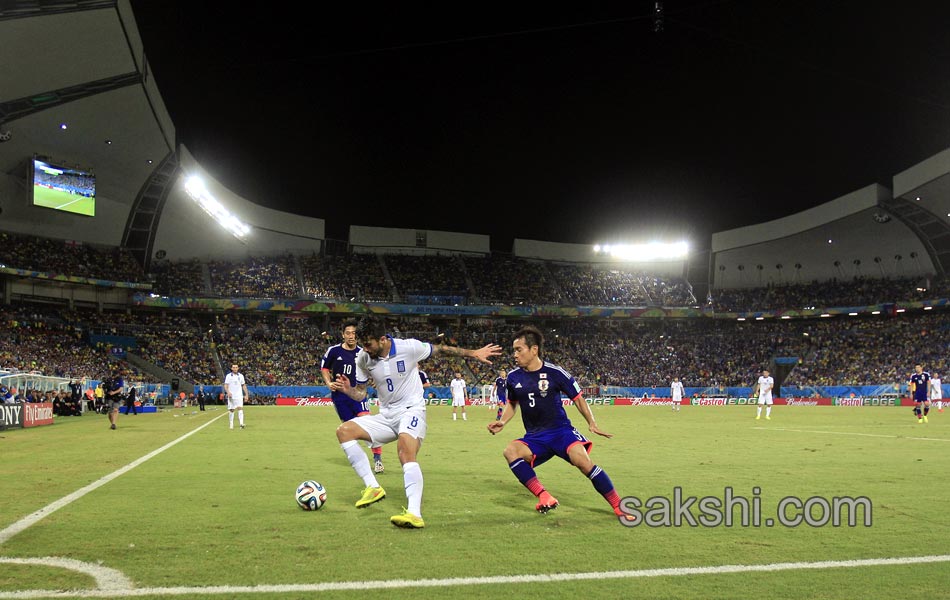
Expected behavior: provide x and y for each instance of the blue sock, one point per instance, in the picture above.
(601, 482)
(522, 471)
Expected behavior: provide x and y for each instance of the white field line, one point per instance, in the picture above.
(467, 581)
(879, 435)
(62, 206)
(49, 509)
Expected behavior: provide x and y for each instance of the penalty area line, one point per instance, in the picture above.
(467, 581)
(49, 509)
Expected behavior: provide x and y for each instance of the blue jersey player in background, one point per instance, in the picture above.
(340, 359)
(500, 393)
(920, 390)
(536, 386)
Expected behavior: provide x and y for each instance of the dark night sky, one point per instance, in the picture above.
(577, 125)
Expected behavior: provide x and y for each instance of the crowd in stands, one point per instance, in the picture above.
(179, 278)
(435, 277)
(348, 278)
(64, 257)
(273, 350)
(285, 350)
(255, 277)
(176, 342)
(873, 351)
(44, 340)
(507, 280)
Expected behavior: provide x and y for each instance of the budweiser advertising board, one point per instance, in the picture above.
(304, 402)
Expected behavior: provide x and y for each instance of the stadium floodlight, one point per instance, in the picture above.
(653, 251)
(195, 187)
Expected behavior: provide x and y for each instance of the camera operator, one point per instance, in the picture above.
(113, 395)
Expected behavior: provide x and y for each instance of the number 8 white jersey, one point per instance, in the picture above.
(395, 376)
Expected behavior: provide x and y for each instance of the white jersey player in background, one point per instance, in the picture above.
(236, 389)
(392, 365)
(458, 396)
(936, 391)
(676, 392)
(764, 388)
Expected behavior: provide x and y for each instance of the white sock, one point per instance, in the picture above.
(455, 417)
(359, 462)
(412, 475)
(768, 410)
(241, 417)
(231, 419)
(464, 417)
(758, 411)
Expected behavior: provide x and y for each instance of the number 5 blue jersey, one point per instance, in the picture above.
(538, 395)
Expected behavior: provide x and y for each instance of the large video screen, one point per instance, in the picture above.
(64, 188)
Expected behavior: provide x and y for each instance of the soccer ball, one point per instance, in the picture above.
(310, 495)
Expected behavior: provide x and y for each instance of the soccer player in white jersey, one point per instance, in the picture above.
(392, 365)
(458, 396)
(936, 392)
(676, 392)
(236, 389)
(764, 387)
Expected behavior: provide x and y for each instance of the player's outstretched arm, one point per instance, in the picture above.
(507, 415)
(582, 408)
(481, 355)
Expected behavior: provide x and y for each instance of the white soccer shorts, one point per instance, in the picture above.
(382, 429)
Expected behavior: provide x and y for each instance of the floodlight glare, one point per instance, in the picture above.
(646, 252)
(195, 187)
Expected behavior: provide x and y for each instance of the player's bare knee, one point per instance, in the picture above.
(407, 449)
(513, 451)
(344, 433)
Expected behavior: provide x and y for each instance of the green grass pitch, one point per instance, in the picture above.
(217, 509)
(43, 196)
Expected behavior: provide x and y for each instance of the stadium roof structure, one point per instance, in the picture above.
(82, 64)
(77, 89)
(872, 232)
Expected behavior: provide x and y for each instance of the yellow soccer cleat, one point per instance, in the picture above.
(407, 520)
(925, 419)
(370, 495)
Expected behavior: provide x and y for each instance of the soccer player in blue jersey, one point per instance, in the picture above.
(340, 359)
(920, 389)
(392, 364)
(499, 393)
(536, 386)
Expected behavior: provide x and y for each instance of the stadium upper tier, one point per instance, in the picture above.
(444, 279)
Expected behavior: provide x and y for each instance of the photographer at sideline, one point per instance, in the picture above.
(112, 386)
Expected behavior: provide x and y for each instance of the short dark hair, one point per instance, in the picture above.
(370, 328)
(532, 337)
(349, 323)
